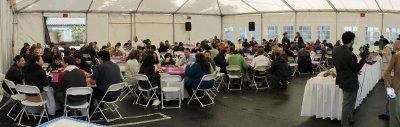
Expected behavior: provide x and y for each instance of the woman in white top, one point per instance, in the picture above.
(133, 62)
(260, 59)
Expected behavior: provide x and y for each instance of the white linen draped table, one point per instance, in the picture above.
(323, 98)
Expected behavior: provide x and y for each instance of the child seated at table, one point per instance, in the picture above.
(56, 65)
(168, 60)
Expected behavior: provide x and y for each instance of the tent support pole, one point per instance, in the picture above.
(262, 27)
(173, 28)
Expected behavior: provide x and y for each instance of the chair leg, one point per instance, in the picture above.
(20, 118)
(162, 100)
(137, 100)
(115, 108)
(180, 98)
(8, 114)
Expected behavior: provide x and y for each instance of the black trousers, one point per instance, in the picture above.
(276, 80)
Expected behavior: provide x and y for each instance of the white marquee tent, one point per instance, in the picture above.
(120, 20)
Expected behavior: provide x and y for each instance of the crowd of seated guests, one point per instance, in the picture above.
(144, 58)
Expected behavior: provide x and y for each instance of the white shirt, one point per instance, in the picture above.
(260, 60)
(136, 44)
(132, 67)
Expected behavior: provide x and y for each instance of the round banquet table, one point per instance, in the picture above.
(172, 70)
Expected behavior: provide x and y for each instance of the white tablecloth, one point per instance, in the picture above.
(323, 98)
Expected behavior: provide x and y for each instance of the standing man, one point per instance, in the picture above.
(285, 40)
(347, 70)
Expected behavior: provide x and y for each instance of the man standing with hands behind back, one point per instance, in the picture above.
(347, 70)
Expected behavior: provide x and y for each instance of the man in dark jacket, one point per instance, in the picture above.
(347, 70)
(15, 73)
(279, 72)
(285, 40)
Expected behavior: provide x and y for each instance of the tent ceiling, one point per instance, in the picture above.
(214, 7)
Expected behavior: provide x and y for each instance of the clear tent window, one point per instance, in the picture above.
(305, 32)
(324, 33)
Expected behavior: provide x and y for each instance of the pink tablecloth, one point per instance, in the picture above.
(118, 59)
(54, 76)
(175, 71)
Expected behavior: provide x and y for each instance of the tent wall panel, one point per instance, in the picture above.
(97, 28)
(153, 18)
(318, 19)
(155, 32)
(6, 31)
(119, 33)
(354, 19)
(391, 20)
(203, 27)
(241, 22)
(29, 29)
(70, 15)
(279, 20)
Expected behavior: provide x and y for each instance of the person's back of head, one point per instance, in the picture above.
(348, 37)
(104, 55)
(69, 60)
(381, 36)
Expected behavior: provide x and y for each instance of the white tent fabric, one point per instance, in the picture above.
(223, 7)
(6, 20)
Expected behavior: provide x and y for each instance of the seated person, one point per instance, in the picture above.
(71, 77)
(106, 74)
(116, 51)
(187, 58)
(197, 48)
(178, 47)
(56, 65)
(36, 76)
(168, 60)
(81, 63)
(133, 62)
(237, 59)
(304, 61)
(293, 47)
(195, 72)
(279, 72)
(207, 54)
(259, 60)
(15, 74)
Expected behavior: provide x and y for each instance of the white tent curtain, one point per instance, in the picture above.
(29, 28)
(6, 25)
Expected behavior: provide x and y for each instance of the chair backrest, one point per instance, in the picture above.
(79, 91)
(261, 68)
(317, 57)
(217, 70)
(140, 77)
(169, 79)
(291, 59)
(329, 52)
(208, 77)
(28, 89)
(116, 87)
(10, 86)
(233, 68)
(318, 51)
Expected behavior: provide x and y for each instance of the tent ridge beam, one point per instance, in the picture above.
(250, 6)
(180, 7)
(90, 5)
(219, 8)
(287, 4)
(333, 6)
